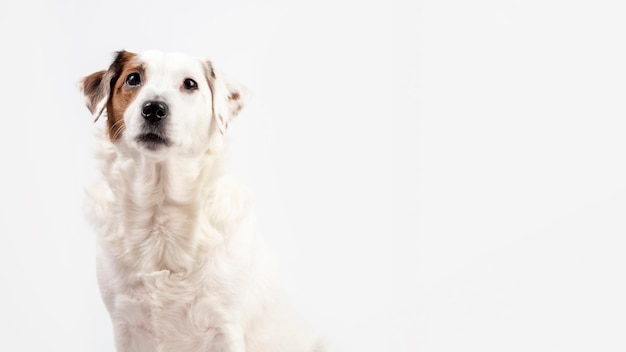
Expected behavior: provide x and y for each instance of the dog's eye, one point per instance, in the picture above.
(133, 79)
(190, 84)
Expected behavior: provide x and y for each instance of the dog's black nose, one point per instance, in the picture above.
(154, 111)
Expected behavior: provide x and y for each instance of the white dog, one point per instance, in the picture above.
(179, 265)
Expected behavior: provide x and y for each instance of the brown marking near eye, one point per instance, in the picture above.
(121, 95)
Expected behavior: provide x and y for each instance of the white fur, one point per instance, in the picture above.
(180, 266)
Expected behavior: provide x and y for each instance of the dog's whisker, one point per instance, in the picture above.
(118, 132)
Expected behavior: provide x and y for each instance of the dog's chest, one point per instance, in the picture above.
(165, 244)
(175, 311)
(150, 238)
(170, 275)
(173, 283)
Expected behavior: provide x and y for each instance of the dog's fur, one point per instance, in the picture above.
(179, 265)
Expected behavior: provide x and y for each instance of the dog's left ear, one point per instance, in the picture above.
(229, 98)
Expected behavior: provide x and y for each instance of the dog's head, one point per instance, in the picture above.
(158, 103)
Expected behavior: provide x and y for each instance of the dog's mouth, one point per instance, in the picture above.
(152, 141)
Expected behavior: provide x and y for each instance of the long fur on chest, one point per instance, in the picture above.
(175, 245)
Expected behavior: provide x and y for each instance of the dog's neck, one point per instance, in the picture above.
(175, 181)
(156, 206)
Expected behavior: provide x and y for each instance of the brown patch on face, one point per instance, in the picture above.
(110, 84)
(122, 95)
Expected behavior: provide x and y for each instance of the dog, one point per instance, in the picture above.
(179, 265)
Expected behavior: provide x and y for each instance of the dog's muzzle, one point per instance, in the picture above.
(154, 134)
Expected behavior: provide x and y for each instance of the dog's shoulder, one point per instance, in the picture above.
(229, 204)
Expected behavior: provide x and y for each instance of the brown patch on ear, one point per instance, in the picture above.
(208, 66)
(121, 96)
(227, 98)
(234, 96)
(235, 103)
(93, 90)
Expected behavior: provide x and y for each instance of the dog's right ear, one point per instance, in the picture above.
(96, 93)
(97, 86)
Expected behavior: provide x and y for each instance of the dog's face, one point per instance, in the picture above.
(159, 104)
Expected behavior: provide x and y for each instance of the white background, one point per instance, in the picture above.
(433, 175)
